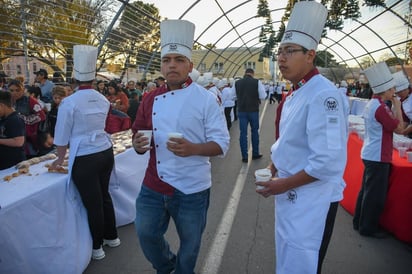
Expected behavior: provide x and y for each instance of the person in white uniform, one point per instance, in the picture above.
(403, 91)
(309, 157)
(178, 177)
(80, 123)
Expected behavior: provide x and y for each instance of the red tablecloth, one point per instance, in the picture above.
(397, 215)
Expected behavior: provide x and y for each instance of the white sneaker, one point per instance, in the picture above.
(98, 254)
(112, 243)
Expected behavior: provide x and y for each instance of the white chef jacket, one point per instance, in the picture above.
(228, 97)
(194, 112)
(313, 137)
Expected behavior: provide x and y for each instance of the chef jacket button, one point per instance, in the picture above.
(157, 145)
(154, 113)
(156, 98)
(158, 162)
(173, 93)
(161, 177)
(164, 96)
(155, 129)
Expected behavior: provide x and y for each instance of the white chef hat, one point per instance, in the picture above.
(306, 24)
(208, 77)
(194, 74)
(380, 78)
(84, 62)
(343, 84)
(222, 83)
(401, 81)
(177, 37)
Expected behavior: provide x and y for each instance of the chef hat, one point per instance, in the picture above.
(379, 77)
(84, 62)
(208, 77)
(343, 84)
(201, 80)
(177, 37)
(194, 74)
(401, 81)
(222, 83)
(306, 24)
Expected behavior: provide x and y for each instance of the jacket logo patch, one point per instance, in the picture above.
(331, 105)
(292, 196)
(172, 47)
(288, 36)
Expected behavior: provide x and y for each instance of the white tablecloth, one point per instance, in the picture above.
(43, 224)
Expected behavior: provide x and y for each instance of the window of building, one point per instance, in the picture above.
(202, 67)
(218, 67)
(18, 68)
(249, 64)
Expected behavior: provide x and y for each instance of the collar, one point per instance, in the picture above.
(184, 85)
(306, 78)
(85, 87)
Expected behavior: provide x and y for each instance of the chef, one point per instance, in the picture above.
(309, 156)
(403, 91)
(178, 177)
(80, 123)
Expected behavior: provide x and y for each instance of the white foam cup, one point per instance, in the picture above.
(409, 154)
(148, 134)
(262, 175)
(174, 135)
(402, 151)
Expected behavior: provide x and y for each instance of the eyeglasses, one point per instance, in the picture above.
(287, 52)
(13, 90)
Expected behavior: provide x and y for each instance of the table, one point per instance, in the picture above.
(43, 224)
(397, 215)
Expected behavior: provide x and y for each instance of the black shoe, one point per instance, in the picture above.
(244, 160)
(257, 157)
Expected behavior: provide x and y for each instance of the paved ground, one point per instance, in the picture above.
(243, 241)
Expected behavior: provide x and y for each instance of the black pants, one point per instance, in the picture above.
(228, 110)
(327, 233)
(91, 175)
(371, 197)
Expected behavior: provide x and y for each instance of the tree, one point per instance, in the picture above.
(352, 10)
(325, 59)
(136, 37)
(263, 9)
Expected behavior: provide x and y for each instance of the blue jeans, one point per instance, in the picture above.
(244, 119)
(189, 213)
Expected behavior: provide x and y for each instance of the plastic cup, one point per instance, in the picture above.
(262, 175)
(174, 135)
(148, 134)
(409, 155)
(402, 151)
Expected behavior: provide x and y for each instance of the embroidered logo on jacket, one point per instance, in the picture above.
(331, 105)
(292, 196)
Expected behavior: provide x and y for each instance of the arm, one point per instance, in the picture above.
(13, 142)
(398, 115)
(61, 152)
(182, 147)
(280, 185)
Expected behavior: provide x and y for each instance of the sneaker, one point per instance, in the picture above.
(112, 243)
(98, 254)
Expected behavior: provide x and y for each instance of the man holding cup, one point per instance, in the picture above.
(188, 127)
(309, 157)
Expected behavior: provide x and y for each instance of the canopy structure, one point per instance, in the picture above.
(230, 35)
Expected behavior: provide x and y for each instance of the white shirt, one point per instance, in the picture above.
(407, 107)
(228, 97)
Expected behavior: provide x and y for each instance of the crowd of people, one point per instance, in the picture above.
(308, 157)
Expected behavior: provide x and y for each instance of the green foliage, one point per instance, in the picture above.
(325, 59)
(374, 3)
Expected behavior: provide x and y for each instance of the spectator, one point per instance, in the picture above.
(45, 85)
(12, 132)
(3, 81)
(117, 98)
(31, 112)
(133, 106)
(249, 92)
(59, 93)
(160, 81)
(101, 87)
